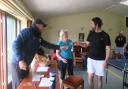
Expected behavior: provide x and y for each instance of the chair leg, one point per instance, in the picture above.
(83, 85)
(62, 86)
(107, 74)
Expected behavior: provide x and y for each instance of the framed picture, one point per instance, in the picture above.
(81, 37)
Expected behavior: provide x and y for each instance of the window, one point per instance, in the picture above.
(124, 2)
(12, 29)
(18, 26)
(9, 29)
(3, 62)
(11, 35)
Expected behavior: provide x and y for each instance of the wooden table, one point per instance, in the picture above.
(27, 83)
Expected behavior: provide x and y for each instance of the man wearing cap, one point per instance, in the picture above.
(24, 47)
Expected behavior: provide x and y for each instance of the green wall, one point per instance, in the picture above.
(80, 23)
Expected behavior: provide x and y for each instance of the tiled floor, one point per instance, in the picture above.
(114, 78)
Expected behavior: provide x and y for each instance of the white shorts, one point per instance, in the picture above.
(119, 50)
(96, 67)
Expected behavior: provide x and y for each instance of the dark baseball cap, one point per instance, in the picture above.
(39, 21)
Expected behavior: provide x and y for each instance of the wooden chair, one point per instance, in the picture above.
(73, 82)
(77, 54)
(85, 50)
(84, 55)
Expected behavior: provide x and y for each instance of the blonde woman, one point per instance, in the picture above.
(65, 55)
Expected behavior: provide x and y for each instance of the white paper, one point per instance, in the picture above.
(52, 78)
(42, 69)
(36, 77)
(45, 82)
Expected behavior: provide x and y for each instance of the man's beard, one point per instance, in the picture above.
(94, 28)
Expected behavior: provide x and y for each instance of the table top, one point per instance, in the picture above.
(121, 64)
(27, 83)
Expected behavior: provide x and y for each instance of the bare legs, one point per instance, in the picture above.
(99, 82)
(91, 81)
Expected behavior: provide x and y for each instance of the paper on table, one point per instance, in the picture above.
(45, 82)
(42, 69)
(36, 77)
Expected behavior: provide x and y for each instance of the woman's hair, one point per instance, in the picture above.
(63, 33)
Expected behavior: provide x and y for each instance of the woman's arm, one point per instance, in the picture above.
(59, 57)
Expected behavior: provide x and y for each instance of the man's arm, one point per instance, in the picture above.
(88, 39)
(18, 44)
(17, 47)
(124, 39)
(49, 45)
(108, 51)
(116, 40)
(87, 43)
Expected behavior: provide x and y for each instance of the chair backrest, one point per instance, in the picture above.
(85, 49)
(77, 49)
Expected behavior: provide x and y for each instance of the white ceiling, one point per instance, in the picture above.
(53, 8)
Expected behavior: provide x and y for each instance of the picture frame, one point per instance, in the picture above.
(81, 37)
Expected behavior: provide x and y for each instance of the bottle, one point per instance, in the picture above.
(52, 76)
(53, 84)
